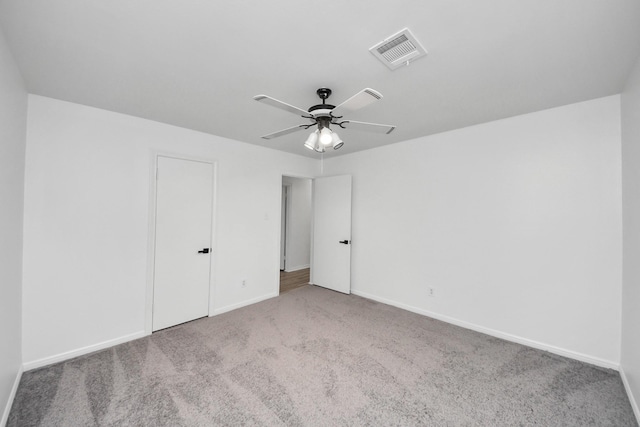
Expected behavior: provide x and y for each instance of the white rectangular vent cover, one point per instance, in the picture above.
(399, 49)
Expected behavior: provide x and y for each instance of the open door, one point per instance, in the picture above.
(332, 233)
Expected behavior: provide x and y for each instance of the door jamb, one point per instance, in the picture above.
(287, 227)
(151, 231)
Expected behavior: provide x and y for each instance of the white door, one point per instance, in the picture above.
(332, 233)
(184, 196)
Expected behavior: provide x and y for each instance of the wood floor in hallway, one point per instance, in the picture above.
(294, 279)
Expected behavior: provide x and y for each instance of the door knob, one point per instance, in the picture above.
(204, 251)
(345, 242)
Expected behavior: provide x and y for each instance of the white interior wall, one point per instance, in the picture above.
(13, 126)
(630, 358)
(87, 214)
(299, 223)
(516, 224)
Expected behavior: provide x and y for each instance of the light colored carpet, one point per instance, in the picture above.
(316, 357)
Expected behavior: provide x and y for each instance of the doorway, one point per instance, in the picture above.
(295, 238)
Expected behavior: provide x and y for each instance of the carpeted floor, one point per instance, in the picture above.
(316, 357)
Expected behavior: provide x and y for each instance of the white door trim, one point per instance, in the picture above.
(284, 219)
(151, 231)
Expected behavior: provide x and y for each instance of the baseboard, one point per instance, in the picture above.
(12, 396)
(27, 366)
(242, 304)
(296, 268)
(495, 333)
(81, 351)
(632, 397)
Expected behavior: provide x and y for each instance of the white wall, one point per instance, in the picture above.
(86, 223)
(299, 223)
(13, 125)
(630, 359)
(516, 224)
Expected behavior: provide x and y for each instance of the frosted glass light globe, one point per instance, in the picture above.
(325, 137)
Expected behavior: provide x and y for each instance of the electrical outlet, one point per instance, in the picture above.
(244, 283)
(431, 292)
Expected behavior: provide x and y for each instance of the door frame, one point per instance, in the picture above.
(151, 230)
(285, 210)
(280, 184)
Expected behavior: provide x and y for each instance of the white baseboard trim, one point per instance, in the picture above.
(242, 304)
(12, 396)
(81, 351)
(495, 333)
(27, 366)
(296, 268)
(632, 398)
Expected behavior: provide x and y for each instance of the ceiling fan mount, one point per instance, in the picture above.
(324, 93)
(324, 115)
(314, 110)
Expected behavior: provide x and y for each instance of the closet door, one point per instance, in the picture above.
(184, 199)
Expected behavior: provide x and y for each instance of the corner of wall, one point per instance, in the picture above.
(12, 396)
(632, 397)
(13, 128)
(630, 313)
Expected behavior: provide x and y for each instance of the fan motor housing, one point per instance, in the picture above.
(321, 110)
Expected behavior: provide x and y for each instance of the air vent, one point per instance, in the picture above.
(399, 49)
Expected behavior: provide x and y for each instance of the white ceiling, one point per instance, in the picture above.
(197, 64)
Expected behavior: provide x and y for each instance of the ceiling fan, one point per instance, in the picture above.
(324, 115)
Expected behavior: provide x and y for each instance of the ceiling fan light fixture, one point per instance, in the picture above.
(310, 143)
(325, 136)
(336, 141)
(324, 115)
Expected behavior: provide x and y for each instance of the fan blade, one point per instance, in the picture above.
(359, 100)
(282, 105)
(369, 127)
(283, 132)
